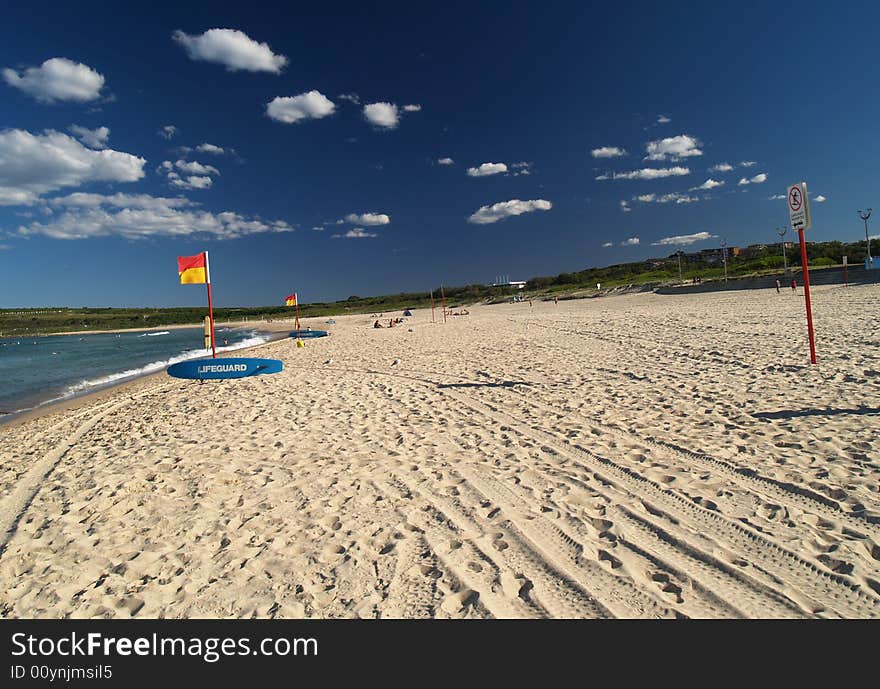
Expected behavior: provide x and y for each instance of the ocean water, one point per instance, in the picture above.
(38, 370)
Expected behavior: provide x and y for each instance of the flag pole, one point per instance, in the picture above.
(210, 306)
(297, 316)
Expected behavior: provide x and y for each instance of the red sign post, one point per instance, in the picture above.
(799, 212)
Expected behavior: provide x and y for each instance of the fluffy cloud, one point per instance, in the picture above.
(776, 197)
(197, 175)
(232, 48)
(412, 108)
(624, 206)
(83, 216)
(632, 241)
(648, 173)
(607, 152)
(93, 138)
(665, 198)
(487, 169)
(662, 119)
(195, 168)
(446, 161)
(168, 131)
(385, 115)
(721, 167)
(708, 184)
(292, 109)
(505, 209)
(34, 164)
(57, 79)
(748, 163)
(820, 199)
(607, 245)
(210, 148)
(673, 148)
(683, 239)
(757, 179)
(355, 233)
(371, 219)
(350, 97)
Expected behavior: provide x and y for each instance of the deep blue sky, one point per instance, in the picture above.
(791, 87)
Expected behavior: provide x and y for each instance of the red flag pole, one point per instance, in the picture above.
(297, 316)
(210, 306)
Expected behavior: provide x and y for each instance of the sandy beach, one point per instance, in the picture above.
(637, 456)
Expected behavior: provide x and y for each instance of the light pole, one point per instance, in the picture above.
(724, 257)
(678, 253)
(781, 232)
(864, 216)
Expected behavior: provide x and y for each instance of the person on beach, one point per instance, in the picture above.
(556, 301)
(794, 285)
(778, 285)
(377, 324)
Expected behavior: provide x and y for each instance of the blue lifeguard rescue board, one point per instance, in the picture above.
(204, 369)
(303, 334)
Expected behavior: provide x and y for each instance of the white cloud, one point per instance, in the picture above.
(776, 197)
(487, 169)
(673, 148)
(607, 152)
(648, 173)
(505, 209)
(632, 241)
(607, 244)
(210, 148)
(721, 167)
(708, 184)
(820, 199)
(34, 164)
(748, 163)
(665, 198)
(662, 119)
(757, 179)
(355, 233)
(168, 131)
(446, 161)
(521, 168)
(57, 79)
(195, 168)
(189, 182)
(624, 206)
(368, 219)
(83, 216)
(93, 138)
(412, 108)
(292, 109)
(350, 97)
(683, 239)
(384, 115)
(232, 48)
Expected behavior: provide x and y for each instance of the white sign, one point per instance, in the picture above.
(844, 260)
(798, 206)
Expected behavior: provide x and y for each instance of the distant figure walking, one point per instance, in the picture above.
(794, 285)
(778, 285)
(556, 301)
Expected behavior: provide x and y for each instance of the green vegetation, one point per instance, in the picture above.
(707, 265)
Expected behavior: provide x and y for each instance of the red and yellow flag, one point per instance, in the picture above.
(290, 299)
(193, 270)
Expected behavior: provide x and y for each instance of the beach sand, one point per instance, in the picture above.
(635, 456)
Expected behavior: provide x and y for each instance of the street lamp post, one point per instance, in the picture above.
(864, 216)
(781, 232)
(724, 257)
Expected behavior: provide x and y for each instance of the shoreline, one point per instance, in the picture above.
(79, 399)
(267, 326)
